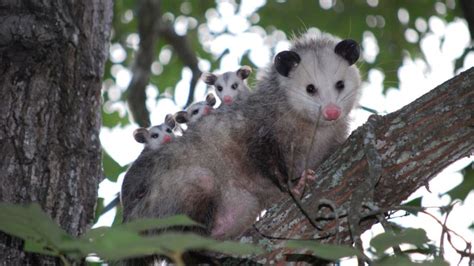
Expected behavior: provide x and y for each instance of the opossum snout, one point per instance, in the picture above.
(207, 110)
(331, 112)
(227, 99)
(166, 139)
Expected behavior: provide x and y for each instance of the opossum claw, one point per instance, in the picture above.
(307, 175)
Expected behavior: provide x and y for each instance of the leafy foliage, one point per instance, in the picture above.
(378, 246)
(42, 235)
(414, 203)
(325, 251)
(467, 185)
(387, 240)
(111, 168)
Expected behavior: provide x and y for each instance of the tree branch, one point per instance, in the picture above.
(185, 53)
(467, 7)
(148, 23)
(414, 144)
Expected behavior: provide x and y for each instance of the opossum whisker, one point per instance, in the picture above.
(348, 95)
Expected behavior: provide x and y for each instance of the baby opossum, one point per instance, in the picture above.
(230, 85)
(237, 161)
(196, 110)
(156, 136)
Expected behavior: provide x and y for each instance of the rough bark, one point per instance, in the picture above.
(52, 56)
(412, 145)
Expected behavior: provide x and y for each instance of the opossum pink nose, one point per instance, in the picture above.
(331, 112)
(227, 99)
(166, 139)
(207, 110)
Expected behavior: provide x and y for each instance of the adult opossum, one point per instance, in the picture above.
(234, 163)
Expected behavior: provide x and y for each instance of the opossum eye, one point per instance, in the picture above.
(219, 88)
(311, 89)
(155, 135)
(168, 130)
(340, 85)
(234, 86)
(196, 111)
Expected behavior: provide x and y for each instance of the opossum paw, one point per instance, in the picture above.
(306, 176)
(309, 174)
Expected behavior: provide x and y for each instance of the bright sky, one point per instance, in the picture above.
(416, 78)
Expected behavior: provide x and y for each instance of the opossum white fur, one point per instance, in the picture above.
(196, 110)
(156, 136)
(231, 85)
(237, 161)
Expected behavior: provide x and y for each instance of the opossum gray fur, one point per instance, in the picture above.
(231, 85)
(237, 161)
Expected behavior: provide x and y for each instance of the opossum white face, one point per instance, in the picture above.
(320, 80)
(230, 84)
(156, 136)
(196, 110)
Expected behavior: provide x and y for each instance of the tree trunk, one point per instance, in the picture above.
(381, 164)
(52, 56)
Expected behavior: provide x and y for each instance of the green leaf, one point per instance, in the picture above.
(88, 263)
(181, 242)
(30, 223)
(414, 203)
(41, 248)
(471, 226)
(235, 248)
(150, 223)
(467, 185)
(98, 209)
(118, 215)
(115, 244)
(405, 261)
(325, 251)
(113, 119)
(111, 168)
(387, 240)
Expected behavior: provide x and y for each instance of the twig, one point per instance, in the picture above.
(443, 232)
(296, 200)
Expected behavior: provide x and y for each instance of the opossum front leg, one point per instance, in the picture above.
(306, 177)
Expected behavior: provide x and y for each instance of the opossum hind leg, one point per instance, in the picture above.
(190, 191)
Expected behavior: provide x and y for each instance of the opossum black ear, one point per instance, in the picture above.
(285, 61)
(244, 72)
(141, 134)
(349, 50)
(169, 121)
(209, 78)
(182, 117)
(210, 99)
